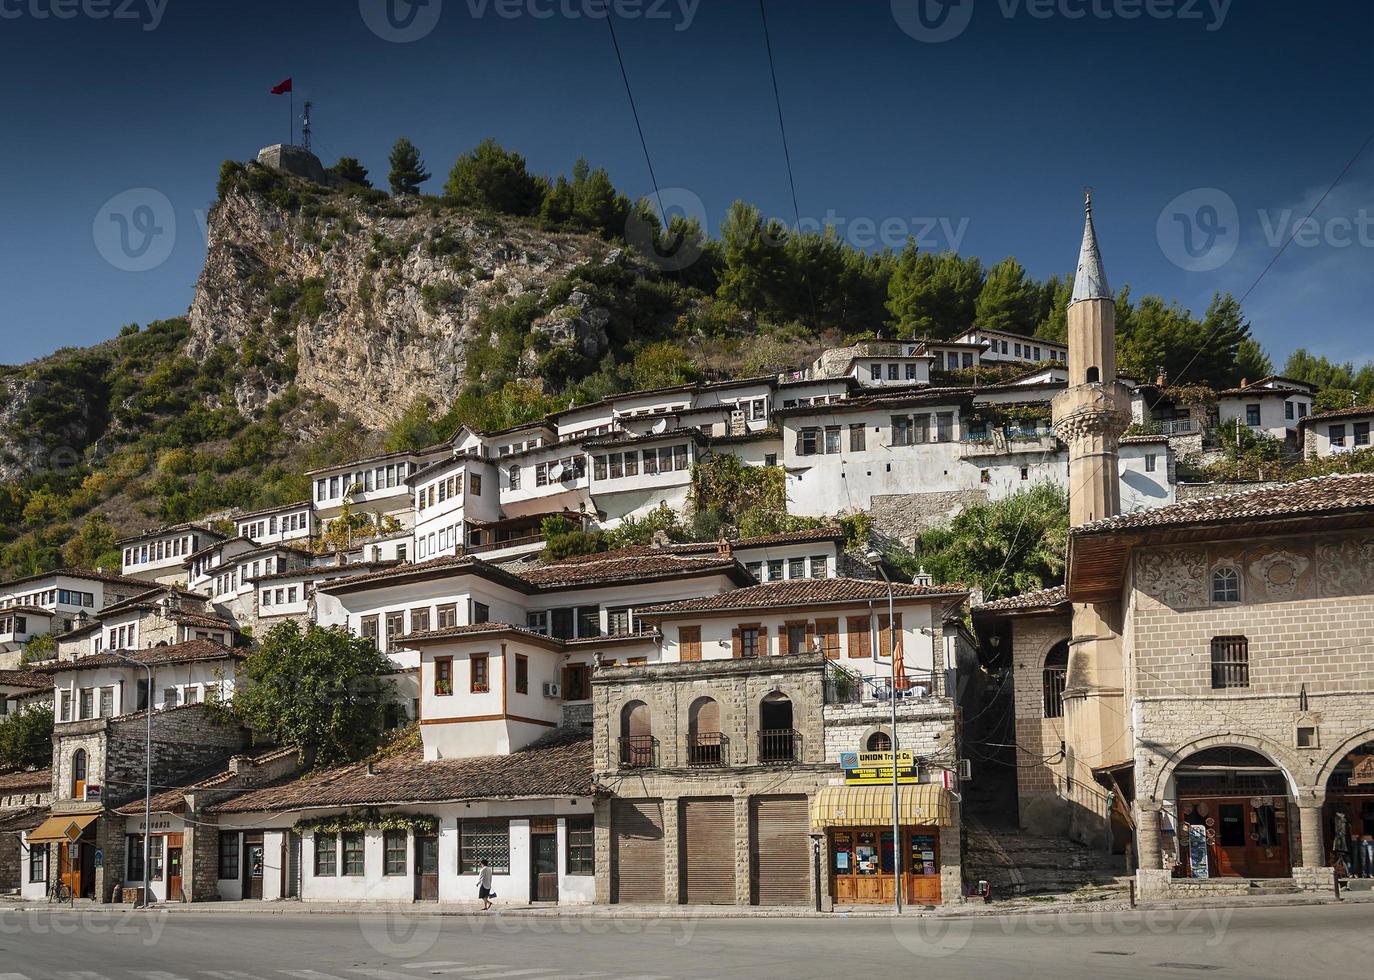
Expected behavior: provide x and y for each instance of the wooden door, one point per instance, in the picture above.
(69, 866)
(706, 858)
(174, 893)
(544, 867)
(252, 868)
(637, 851)
(922, 868)
(780, 851)
(427, 868)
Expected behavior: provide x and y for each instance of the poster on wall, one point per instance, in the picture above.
(1197, 850)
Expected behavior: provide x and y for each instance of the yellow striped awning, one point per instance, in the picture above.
(920, 805)
(55, 828)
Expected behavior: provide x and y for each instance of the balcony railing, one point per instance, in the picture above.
(844, 686)
(779, 746)
(1000, 440)
(708, 750)
(638, 752)
(475, 549)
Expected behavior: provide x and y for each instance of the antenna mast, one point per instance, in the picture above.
(305, 126)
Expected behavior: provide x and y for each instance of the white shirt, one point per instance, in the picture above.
(484, 877)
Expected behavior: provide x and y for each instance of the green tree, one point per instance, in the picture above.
(1054, 317)
(407, 169)
(324, 691)
(349, 170)
(1008, 300)
(415, 428)
(752, 259)
(662, 365)
(26, 739)
(1251, 361)
(933, 295)
(492, 178)
(1006, 547)
(93, 545)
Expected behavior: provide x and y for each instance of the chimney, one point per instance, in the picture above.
(923, 577)
(370, 770)
(724, 548)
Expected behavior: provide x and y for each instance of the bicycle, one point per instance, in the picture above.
(60, 894)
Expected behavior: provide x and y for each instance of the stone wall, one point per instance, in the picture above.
(1039, 782)
(925, 726)
(902, 516)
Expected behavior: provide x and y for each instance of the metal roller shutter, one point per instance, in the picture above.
(637, 851)
(707, 856)
(781, 850)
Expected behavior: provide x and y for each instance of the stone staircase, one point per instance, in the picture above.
(1016, 863)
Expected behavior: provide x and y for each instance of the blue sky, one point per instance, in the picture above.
(1206, 132)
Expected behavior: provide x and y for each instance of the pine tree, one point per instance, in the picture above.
(407, 169)
(492, 178)
(1009, 300)
(933, 295)
(349, 170)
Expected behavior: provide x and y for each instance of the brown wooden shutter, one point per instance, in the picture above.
(689, 643)
(637, 851)
(780, 850)
(736, 643)
(763, 641)
(829, 632)
(706, 863)
(810, 636)
(859, 640)
(885, 636)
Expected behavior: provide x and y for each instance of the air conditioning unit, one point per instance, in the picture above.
(553, 690)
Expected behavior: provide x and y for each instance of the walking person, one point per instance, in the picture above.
(484, 891)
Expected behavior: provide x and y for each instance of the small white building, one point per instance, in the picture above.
(1332, 433)
(67, 593)
(275, 525)
(1001, 347)
(1271, 407)
(160, 555)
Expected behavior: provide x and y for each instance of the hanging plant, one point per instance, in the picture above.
(368, 818)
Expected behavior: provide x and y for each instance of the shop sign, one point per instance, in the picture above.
(869, 768)
(1363, 772)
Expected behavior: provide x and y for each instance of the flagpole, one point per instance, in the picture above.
(291, 116)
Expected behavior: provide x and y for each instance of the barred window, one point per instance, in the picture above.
(1056, 669)
(228, 855)
(326, 855)
(484, 839)
(1230, 661)
(581, 850)
(354, 864)
(394, 850)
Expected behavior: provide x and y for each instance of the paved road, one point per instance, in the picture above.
(1270, 942)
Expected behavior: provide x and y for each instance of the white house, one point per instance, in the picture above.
(1001, 346)
(160, 555)
(275, 525)
(1272, 406)
(1339, 431)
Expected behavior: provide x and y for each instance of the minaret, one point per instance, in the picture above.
(1089, 418)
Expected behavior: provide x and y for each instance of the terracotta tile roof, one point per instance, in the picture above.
(85, 573)
(158, 532)
(25, 678)
(828, 532)
(208, 622)
(1355, 412)
(29, 611)
(25, 779)
(1318, 495)
(434, 568)
(476, 629)
(1135, 440)
(191, 651)
(264, 511)
(25, 818)
(558, 765)
(174, 800)
(1040, 599)
(324, 571)
(804, 592)
(617, 567)
(613, 439)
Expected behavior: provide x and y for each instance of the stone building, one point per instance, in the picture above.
(1247, 731)
(24, 797)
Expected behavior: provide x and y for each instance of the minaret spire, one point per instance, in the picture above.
(1090, 281)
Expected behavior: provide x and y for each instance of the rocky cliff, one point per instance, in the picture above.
(372, 303)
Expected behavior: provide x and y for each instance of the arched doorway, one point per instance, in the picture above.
(1234, 815)
(777, 737)
(705, 743)
(1348, 817)
(636, 736)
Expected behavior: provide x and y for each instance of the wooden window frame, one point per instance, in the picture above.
(388, 853)
(484, 687)
(1230, 663)
(446, 611)
(443, 676)
(344, 851)
(332, 850)
(580, 846)
(689, 644)
(522, 674)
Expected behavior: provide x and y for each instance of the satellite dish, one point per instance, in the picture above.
(659, 427)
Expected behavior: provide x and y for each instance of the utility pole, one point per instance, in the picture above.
(305, 126)
(147, 773)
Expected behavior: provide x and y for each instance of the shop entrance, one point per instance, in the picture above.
(1348, 817)
(252, 867)
(862, 869)
(1233, 816)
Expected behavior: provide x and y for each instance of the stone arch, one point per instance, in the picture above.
(1328, 769)
(877, 740)
(704, 716)
(1274, 752)
(775, 707)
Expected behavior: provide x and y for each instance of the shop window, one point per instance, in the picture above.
(1225, 585)
(581, 858)
(228, 856)
(394, 853)
(133, 847)
(1230, 662)
(155, 843)
(326, 855)
(481, 840)
(1055, 672)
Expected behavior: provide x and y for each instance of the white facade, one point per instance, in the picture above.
(1272, 407)
(999, 346)
(116, 689)
(1331, 434)
(294, 522)
(160, 556)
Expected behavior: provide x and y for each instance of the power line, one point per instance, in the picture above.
(629, 93)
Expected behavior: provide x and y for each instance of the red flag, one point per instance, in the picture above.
(282, 87)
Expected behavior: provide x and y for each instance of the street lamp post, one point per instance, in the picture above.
(877, 560)
(147, 773)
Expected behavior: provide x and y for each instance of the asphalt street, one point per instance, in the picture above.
(131, 945)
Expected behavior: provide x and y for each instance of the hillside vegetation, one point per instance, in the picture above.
(332, 321)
